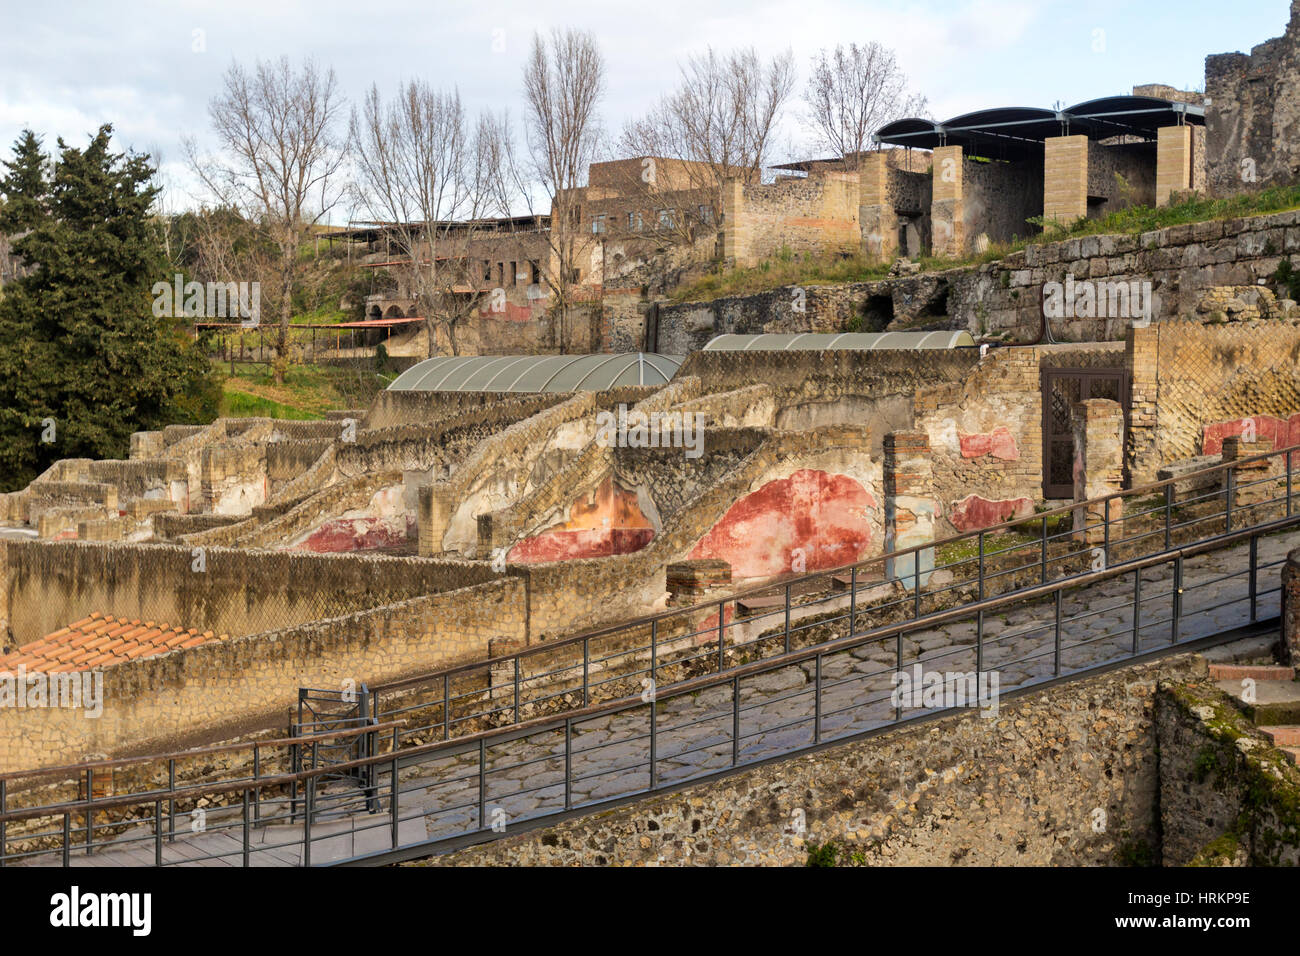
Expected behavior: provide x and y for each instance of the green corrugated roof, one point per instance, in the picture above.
(841, 341)
(536, 373)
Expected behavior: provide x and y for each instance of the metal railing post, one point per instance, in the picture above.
(853, 599)
(981, 566)
(568, 763)
(1137, 609)
(1288, 483)
(67, 839)
(309, 801)
(171, 801)
(1056, 666)
(898, 670)
(735, 720)
(1169, 516)
(1254, 584)
(654, 652)
(393, 791)
(979, 643)
(90, 814)
(157, 833)
(1044, 549)
(1177, 613)
(516, 688)
(245, 821)
(1231, 493)
(654, 741)
(446, 707)
(787, 619)
(4, 827)
(586, 672)
(721, 614)
(817, 703)
(482, 784)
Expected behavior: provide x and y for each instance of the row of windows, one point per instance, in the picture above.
(507, 273)
(664, 219)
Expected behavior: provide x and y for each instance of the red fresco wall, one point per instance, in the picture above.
(1282, 432)
(825, 516)
(606, 522)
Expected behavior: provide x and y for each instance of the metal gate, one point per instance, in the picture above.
(329, 711)
(1062, 387)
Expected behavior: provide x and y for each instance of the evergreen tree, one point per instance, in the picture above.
(79, 344)
(23, 186)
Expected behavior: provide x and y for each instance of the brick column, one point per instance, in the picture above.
(1245, 491)
(1291, 608)
(1142, 355)
(947, 210)
(735, 233)
(695, 581)
(1065, 178)
(433, 518)
(876, 216)
(1173, 162)
(909, 505)
(1098, 465)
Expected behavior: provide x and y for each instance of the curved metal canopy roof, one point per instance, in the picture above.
(536, 373)
(1015, 132)
(839, 342)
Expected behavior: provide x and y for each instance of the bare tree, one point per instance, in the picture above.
(428, 175)
(719, 124)
(852, 92)
(564, 80)
(277, 165)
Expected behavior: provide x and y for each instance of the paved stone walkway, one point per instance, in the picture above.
(779, 712)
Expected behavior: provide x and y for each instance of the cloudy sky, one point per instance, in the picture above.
(150, 66)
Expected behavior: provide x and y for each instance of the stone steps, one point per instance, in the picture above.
(1283, 736)
(1256, 672)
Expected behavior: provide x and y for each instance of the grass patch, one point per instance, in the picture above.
(308, 392)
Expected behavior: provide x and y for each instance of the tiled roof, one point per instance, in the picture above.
(102, 641)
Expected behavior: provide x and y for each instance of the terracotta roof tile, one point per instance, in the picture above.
(101, 640)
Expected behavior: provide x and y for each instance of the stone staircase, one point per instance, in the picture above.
(1269, 694)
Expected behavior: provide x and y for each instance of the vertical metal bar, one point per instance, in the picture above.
(586, 671)
(787, 619)
(309, 800)
(898, 669)
(171, 802)
(446, 707)
(1056, 665)
(735, 720)
(1137, 609)
(90, 814)
(817, 703)
(1232, 492)
(654, 653)
(157, 833)
(1169, 516)
(1254, 584)
(981, 565)
(979, 643)
(516, 688)
(721, 613)
(568, 763)
(67, 839)
(1105, 518)
(482, 784)
(1288, 483)
(4, 826)
(916, 581)
(1178, 598)
(257, 790)
(1044, 549)
(654, 741)
(245, 826)
(853, 599)
(393, 813)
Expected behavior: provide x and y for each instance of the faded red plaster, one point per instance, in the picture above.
(511, 313)
(825, 516)
(999, 443)
(356, 534)
(1282, 432)
(974, 512)
(606, 522)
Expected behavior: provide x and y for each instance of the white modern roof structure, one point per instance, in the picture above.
(536, 373)
(840, 342)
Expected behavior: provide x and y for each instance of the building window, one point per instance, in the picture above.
(536, 272)
(706, 215)
(487, 270)
(514, 272)
(666, 220)
(598, 224)
(634, 223)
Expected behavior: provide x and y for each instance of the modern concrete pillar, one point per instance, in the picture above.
(909, 506)
(1065, 178)
(1098, 426)
(1173, 162)
(947, 209)
(876, 216)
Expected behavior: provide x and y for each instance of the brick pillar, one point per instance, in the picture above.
(1142, 354)
(1291, 608)
(1245, 490)
(433, 518)
(1173, 162)
(876, 216)
(947, 210)
(1065, 178)
(735, 231)
(909, 505)
(695, 581)
(1098, 465)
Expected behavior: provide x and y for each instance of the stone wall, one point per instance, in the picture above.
(998, 197)
(1254, 107)
(1065, 776)
(804, 216)
(223, 688)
